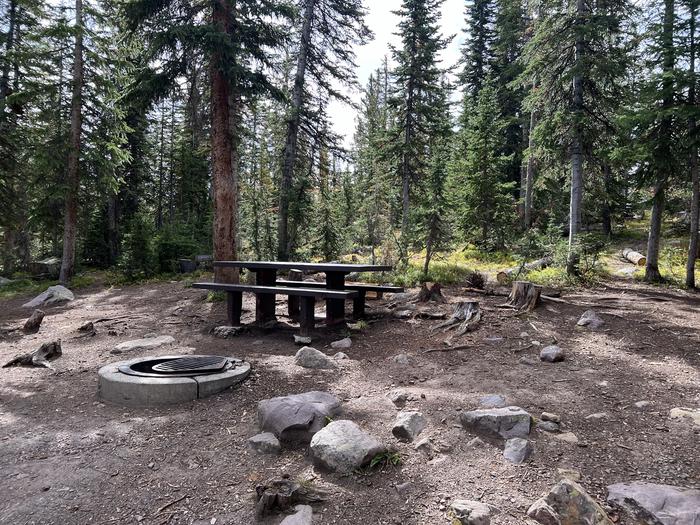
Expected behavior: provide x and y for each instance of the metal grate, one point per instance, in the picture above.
(204, 364)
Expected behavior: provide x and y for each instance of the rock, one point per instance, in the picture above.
(569, 473)
(53, 295)
(598, 415)
(301, 340)
(302, 516)
(401, 359)
(568, 504)
(476, 443)
(402, 313)
(227, 332)
(408, 425)
(87, 327)
(343, 447)
(642, 404)
(398, 397)
(47, 268)
(547, 426)
(342, 343)
(549, 416)
(264, 443)
(494, 339)
(524, 335)
(492, 401)
(296, 418)
(506, 423)
(341, 355)
(591, 320)
(425, 446)
(567, 437)
(469, 512)
(517, 450)
(552, 354)
(32, 324)
(649, 503)
(146, 343)
(309, 357)
(686, 414)
(403, 488)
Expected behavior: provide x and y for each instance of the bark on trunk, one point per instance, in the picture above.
(634, 257)
(693, 161)
(70, 223)
(112, 233)
(530, 172)
(290, 146)
(652, 273)
(607, 209)
(224, 188)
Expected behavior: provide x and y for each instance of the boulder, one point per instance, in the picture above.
(343, 447)
(53, 295)
(505, 423)
(32, 324)
(468, 512)
(517, 450)
(264, 443)
(408, 425)
(552, 354)
(649, 503)
(591, 320)
(492, 401)
(147, 343)
(568, 504)
(309, 357)
(296, 418)
(302, 516)
(342, 344)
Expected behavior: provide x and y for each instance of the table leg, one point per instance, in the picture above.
(293, 303)
(358, 305)
(335, 308)
(306, 319)
(265, 303)
(234, 305)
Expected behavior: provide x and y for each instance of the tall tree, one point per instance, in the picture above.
(694, 169)
(478, 49)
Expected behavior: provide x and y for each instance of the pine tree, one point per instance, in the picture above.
(478, 49)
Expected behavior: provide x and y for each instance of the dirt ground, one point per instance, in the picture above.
(67, 458)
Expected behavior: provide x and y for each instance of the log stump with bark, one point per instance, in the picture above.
(32, 324)
(634, 257)
(506, 275)
(465, 318)
(430, 292)
(279, 494)
(524, 296)
(40, 357)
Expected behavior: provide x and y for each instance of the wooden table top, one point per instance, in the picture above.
(317, 267)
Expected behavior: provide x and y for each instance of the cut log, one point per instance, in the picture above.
(465, 318)
(634, 257)
(281, 494)
(524, 296)
(430, 292)
(506, 275)
(34, 322)
(40, 357)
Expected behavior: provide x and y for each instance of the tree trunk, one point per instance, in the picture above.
(70, 224)
(524, 296)
(224, 188)
(652, 273)
(607, 209)
(290, 146)
(529, 172)
(161, 156)
(112, 233)
(695, 178)
(576, 149)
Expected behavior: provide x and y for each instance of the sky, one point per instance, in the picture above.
(383, 23)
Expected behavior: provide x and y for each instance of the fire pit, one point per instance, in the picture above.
(149, 381)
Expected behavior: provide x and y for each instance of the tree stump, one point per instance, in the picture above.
(40, 357)
(465, 318)
(34, 322)
(283, 493)
(524, 296)
(430, 292)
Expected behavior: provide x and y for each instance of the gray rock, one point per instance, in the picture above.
(549, 416)
(591, 320)
(686, 415)
(598, 415)
(547, 426)
(566, 437)
(408, 425)
(53, 295)
(403, 488)
(343, 447)
(301, 340)
(309, 357)
(476, 443)
(341, 355)
(302, 516)
(401, 359)
(296, 418)
(469, 512)
(227, 332)
(425, 446)
(147, 343)
(569, 473)
(342, 343)
(552, 354)
(492, 401)
(505, 423)
(649, 503)
(642, 404)
(264, 443)
(398, 397)
(568, 503)
(517, 450)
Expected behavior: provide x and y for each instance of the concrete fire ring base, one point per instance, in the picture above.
(137, 391)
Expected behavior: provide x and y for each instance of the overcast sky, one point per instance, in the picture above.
(383, 22)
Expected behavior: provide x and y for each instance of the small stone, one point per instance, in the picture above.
(549, 416)
(567, 437)
(552, 354)
(506, 423)
(343, 447)
(341, 355)
(408, 425)
(401, 359)
(342, 343)
(264, 443)
(524, 335)
(403, 488)
(517, 450)
(591, 320)
(309, 357)
(301, 340)
(598, 415)
(476, 443)
(469, 512)
(425, 446)
(227, 332)
(494, 339)
(547, 426)
(492, 401)
(398, 397)
(569, 473)
(302, 516)
(535, 343)
(642, 404)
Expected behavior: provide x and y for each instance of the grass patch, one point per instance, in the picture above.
(386, 459)
(215, 297)
(24, 285)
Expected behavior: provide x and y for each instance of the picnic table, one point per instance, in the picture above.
(266, 275)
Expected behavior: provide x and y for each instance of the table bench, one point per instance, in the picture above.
(358, 303)
(308, 296)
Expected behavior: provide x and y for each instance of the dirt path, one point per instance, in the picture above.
(67, 458)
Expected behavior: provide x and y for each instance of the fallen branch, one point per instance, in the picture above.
(40, 357)
(445, 349)
(634, 257)
(178, 500)
(505, 275)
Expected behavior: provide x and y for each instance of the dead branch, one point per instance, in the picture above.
(40, 357)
